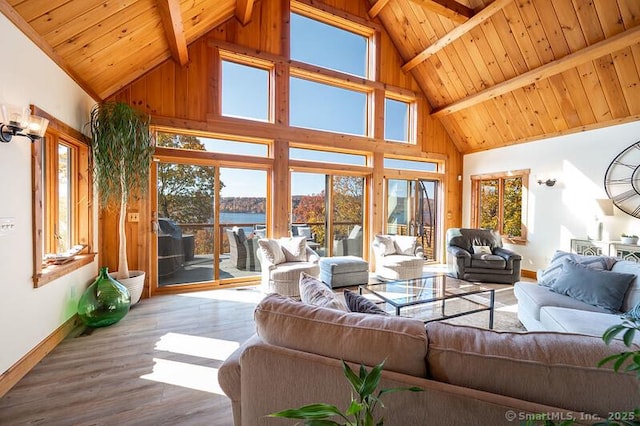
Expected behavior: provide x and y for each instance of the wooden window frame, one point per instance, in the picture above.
(44, 212)
(501, 177)
(412, 121)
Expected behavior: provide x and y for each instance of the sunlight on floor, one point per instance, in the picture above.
(240, 294)
(508, 308)
(203, 347)
(186, 375)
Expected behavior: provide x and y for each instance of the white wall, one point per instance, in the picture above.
(568, 209)
(28, 315)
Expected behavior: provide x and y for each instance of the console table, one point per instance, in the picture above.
(611, 248)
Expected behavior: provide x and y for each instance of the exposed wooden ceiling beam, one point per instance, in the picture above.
(244, 10)
(590, 53)
(456, 33)
(11, 14)
(171, 15)
(377, 8)
(448, 8)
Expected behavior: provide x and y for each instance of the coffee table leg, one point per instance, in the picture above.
(491, 306)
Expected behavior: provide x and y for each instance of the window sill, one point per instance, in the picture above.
(53, 272)
(514, 240)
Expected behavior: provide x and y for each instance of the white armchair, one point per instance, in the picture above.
(283, 261)
(398, 257)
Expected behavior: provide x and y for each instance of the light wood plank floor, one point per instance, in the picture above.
(158, 366)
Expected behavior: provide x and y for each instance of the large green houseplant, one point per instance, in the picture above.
(122, 153)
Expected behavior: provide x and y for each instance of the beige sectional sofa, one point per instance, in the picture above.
(541, 309)
(469, 375)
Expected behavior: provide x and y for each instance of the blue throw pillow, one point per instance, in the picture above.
(358, 303)
(549, 275)
(604, 289)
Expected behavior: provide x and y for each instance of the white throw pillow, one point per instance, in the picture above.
(272, 251)
(405, 244)
(481, 250)
(294, 249)
(386, 242)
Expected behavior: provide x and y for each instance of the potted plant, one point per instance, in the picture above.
(122, 153)
(629, 239)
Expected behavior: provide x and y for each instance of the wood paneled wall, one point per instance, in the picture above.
(187, 98)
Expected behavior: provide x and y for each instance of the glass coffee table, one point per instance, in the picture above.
(434, 298)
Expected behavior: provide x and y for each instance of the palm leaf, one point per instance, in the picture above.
(311, 411)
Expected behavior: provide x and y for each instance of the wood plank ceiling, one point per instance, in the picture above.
(495, 72)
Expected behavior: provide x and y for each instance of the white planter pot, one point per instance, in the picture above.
(629, 240)
(135, 284)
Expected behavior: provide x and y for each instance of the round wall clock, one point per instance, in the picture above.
(622, 180)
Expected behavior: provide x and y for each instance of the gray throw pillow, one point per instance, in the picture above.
(549, 275)
(604, 289)
(358, 303)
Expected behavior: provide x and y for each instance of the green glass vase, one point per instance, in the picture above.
(104, 302)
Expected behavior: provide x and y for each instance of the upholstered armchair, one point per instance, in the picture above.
(283, 261)
(350, 246)
(243, 250)
(478, 255)
(398, 257)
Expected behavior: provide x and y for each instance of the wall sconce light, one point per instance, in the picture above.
(18, 121)
(548, 182)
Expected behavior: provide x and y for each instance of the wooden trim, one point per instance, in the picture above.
(326, 76)
(244, 10)
(329, 168)
(528, 274)
(604, 47)
(339, 18)
(171, 15)
(256, 129)
(39, 41)
(456, 33)
(377, 8)
(17, 371)
(54, 272)
(500, 175)
(451, 9)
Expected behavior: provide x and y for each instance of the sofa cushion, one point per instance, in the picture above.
(354, 337)
(272, 251)
(556, 369)
(548, 275)
(294, 249)
(487, 261)
(315, 292)
(604, 289)
(531, 297)
(580, 322)
(358, 303)
(632, 297)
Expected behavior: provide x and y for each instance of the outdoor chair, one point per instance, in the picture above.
(242, 250)
(350, 246)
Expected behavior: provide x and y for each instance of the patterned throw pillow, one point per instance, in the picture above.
(271, 251)
(482, 250)
(294, 249)
(599, 263)
(315, 292)
(358, 303)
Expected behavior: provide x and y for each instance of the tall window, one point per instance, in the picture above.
(499, 202)
(318, 43)
(62, 200)
(245, 91)
(396, 120)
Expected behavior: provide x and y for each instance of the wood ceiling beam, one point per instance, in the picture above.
(377, 8)
(456, 33)
(451, 9)
(171, 15)
(589, 53)
(244, 10)
(17, 20)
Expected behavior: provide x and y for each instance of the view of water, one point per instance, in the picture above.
(232, 217)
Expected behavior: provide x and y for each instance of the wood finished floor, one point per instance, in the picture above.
(157, 366)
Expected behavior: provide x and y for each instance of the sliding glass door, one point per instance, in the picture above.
(412, 210)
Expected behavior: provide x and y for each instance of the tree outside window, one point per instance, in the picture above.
(498, 202)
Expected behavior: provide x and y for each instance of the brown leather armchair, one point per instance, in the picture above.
(469, 258)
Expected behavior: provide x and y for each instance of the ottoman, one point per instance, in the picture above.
(343, 271)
